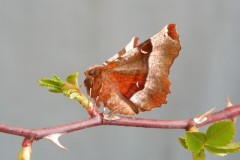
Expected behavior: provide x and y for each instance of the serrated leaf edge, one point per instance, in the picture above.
(215, 124)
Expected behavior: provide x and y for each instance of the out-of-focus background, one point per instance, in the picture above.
(42, 38)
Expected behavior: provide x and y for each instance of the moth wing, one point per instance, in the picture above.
(115, 100)
(166, 47)
(141, 74)
(129, 70)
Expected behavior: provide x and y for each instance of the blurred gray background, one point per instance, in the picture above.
(42, 38)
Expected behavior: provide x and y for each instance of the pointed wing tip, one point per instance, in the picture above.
(172, 32)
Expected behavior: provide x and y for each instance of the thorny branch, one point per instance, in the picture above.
(98, 120)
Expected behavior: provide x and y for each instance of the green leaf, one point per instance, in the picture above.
(72, 79)
(198, 156)
(182, 141)
(195, 141)
(55, 90)
(220, 133)
(56, 85)
(69, 88)
(224, 150)
(51, 83)
(57, 78)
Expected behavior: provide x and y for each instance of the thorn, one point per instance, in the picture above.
(203, 117)
(229, 103)
(55, 139)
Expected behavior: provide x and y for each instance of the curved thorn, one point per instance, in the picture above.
(203, 117)
(229, 103)
(55, 139)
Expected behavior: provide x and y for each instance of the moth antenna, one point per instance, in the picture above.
(90, 92)
(90, 96)
(96, 101)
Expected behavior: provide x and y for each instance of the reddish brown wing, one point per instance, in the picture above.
(129, 83)
(166, 47)
(138, 79)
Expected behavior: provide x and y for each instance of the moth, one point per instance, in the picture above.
(137, 78)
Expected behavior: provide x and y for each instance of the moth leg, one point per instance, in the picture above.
(111, 117)
(115, 111)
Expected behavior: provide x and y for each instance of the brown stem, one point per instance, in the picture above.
(227, 113)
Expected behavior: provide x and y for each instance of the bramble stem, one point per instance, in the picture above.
(98, 119)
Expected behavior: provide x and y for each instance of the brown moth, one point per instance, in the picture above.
(136, 79)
